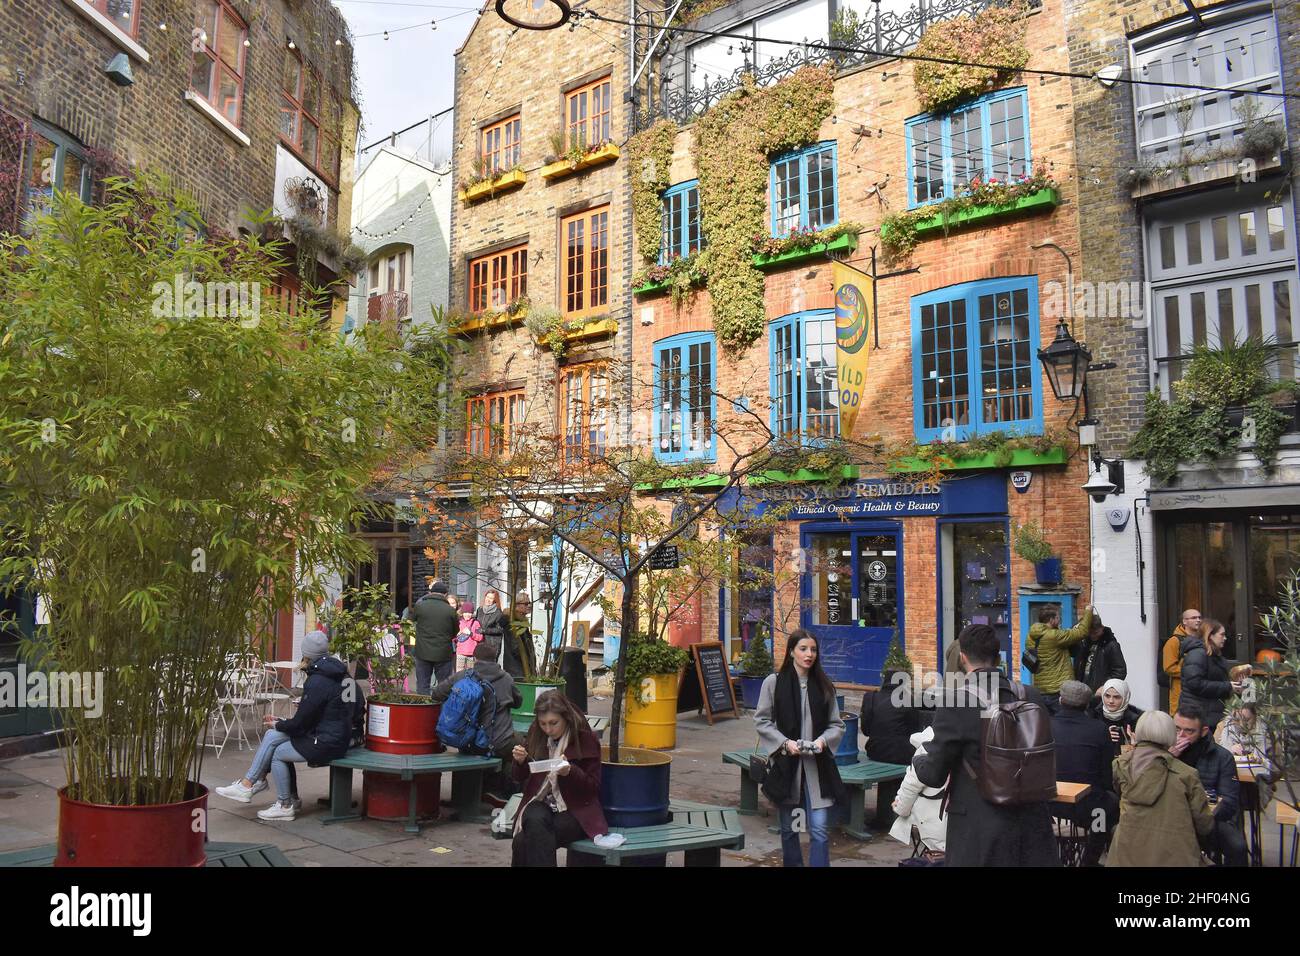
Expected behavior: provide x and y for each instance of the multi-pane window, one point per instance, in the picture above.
(989, 139)
(493, 422)
(584, 412)
(1222, 270)
(123, 14)
(804, 190)
(1238, 58)
(584, 245)
(683, 396)
(218, 73)
(681, 222)
(498, 279)
(974, 369)
(54, 162)
(587, 114)
(300, 107)
(715, 61)
(499, 146)
(804, 377)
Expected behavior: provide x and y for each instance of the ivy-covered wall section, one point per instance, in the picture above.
(732, 145)
(650, 158)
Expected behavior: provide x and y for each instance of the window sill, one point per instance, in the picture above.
(110, 29)
(845, 243)
(1020, 458)
(485, 323)
(1043, 199)
(846, 472)
(227, 127)
(490, 187)
(561, 168)
(695, 481)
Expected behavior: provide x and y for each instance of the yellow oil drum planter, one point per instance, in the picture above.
(653, 675)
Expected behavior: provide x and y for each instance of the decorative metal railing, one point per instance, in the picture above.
(880, 35)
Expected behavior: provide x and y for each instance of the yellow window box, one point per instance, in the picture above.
(490, 187)
(598, 328)
(564, 167)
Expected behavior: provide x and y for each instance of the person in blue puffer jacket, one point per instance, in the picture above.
(318, 732)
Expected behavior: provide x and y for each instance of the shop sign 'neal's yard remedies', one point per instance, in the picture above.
(984, 493)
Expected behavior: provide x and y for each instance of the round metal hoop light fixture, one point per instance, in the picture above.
(534, 14)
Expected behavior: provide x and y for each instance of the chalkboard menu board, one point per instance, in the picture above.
(664, 558)
(707, 685)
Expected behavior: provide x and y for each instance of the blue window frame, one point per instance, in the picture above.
(681, 233)
(805, 189)
(974, 369)
(804, 379)
(989, 139)
(685, 405)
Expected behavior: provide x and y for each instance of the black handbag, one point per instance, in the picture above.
(1029, 658)
(774, 775)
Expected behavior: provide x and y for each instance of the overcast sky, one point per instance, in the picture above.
(408, 76)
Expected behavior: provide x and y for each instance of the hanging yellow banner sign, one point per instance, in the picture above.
(854, 295)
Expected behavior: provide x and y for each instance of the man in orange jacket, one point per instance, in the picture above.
(1171, 655)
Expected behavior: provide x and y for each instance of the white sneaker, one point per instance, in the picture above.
(277, 811)
(238, 792)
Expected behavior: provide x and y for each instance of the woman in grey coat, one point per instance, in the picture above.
(799, 727)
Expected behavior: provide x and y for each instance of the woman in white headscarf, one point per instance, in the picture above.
(1112, 706)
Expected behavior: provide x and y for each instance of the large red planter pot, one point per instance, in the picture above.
(411, 729)
(165, 834)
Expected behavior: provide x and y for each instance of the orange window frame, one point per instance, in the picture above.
(225, 20)
(293, 104)
(584, 252)
(588, 113)
(492, 421)
(499, 145)
(584, 403)
(497, 279)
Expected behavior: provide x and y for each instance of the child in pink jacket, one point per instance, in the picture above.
(468, 638)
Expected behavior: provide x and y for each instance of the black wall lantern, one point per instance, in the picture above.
(1065, 362)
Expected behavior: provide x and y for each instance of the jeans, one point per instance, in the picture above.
(1227, 839)
(817, 823)
(276, 754)
(542, 833)
(428, 673)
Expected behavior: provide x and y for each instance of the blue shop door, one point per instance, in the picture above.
(851, 590)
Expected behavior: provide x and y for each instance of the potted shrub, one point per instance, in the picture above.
(168, 510)
(653, 670)
(755, 665)
(1031, 544)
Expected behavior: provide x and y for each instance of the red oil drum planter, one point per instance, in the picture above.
(401, 729)
(164, 834)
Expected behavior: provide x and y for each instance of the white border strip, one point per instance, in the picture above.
(109, 29)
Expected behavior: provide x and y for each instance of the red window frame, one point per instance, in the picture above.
(499, 145)
(293, 103)
(492, 421)
(584, 251)
(224, 18)
(497, 279)
(588, 113)
(111, 10)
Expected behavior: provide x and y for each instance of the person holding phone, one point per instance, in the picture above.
(1206, 683)
(799, 720)
(562, 803)
(1113, 708)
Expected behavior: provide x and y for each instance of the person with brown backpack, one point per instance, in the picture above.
(994, 739)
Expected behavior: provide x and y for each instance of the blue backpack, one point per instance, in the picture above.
(467, 714)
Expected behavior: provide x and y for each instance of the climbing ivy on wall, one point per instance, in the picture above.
(732, 145)
(650, 155)
(995, 35)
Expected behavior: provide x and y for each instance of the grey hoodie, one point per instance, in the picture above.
(503, 687)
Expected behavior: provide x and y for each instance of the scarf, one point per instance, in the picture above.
(551, 785)
(788, 706)
(1121, 688)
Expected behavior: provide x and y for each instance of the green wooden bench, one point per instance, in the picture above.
(466, 782)
(701, 831)
(219, 854)
(598, 725)
(861, 777)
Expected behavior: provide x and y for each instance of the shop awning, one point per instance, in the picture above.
(1241, 496)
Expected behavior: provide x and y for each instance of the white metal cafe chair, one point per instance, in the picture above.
(237, 702)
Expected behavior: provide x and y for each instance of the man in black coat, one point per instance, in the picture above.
(1083, 755)
(435, 628)
(1099, 658)
(981, 833)
(887, 724)
(1218, 772)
